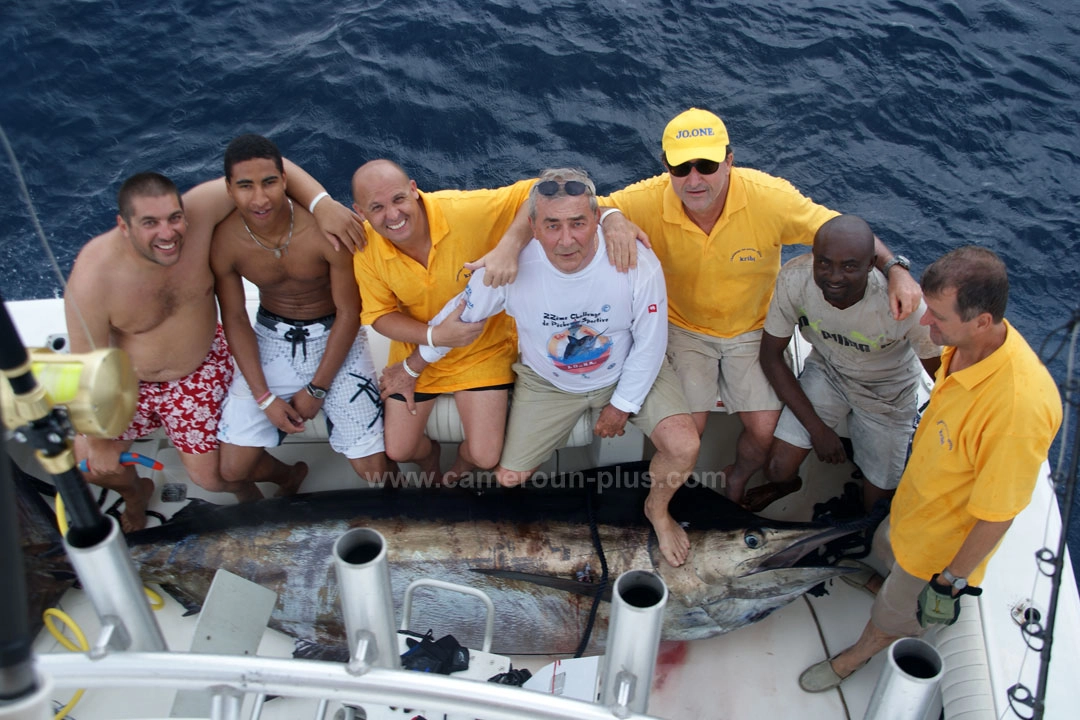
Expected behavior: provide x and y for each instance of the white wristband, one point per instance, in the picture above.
(430, 329)
(314, 202)
(267, 402)
(412, 373)
(609, 211)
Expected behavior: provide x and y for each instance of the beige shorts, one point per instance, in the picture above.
(880, 440)
(726, 368)
(894, 606)
(542, 416)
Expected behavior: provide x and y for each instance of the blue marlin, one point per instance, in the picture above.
(529, 548)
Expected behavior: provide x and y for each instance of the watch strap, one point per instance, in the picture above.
(893, 261)
(957, 582)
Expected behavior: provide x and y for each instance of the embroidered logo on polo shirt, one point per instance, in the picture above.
(746, 255)
(943, 434)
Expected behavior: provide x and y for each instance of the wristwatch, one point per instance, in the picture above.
(316, 392)
(896, 260)
(957, 583)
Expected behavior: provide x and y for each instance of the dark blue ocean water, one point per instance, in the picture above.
(941, 123)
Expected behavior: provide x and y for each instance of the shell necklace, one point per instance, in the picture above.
(283, 249)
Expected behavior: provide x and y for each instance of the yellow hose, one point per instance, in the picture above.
(81, 646)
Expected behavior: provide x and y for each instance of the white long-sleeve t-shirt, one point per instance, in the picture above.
(580, 331)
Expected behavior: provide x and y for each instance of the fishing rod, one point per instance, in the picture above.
(1036, 636)
(17, 679)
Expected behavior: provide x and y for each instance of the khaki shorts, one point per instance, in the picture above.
(895, 605)
(542, 416)
(880, 440)
(726, 368)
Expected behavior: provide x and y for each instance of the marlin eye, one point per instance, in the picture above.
(754, 539)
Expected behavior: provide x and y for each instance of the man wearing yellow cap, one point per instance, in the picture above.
(718, 231)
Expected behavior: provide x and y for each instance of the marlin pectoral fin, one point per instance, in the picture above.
(571, 586)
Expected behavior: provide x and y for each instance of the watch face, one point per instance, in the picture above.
(317, 393)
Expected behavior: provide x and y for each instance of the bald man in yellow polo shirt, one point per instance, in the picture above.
(975, 459)
(718, 231)
(419, 244)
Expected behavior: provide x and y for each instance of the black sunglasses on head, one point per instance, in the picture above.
(550, 188)
(705, 167)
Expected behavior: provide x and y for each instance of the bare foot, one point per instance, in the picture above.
(291, 484)
(758, 498)
(674, 543)
(134, 516)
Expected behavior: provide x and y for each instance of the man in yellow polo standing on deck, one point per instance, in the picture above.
(414, 264)
(718, 231)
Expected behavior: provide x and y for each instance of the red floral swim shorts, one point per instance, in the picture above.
(189, 408)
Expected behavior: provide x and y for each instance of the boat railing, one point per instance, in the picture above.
(230, 678)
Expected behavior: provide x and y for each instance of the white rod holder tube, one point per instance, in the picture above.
(637, 614)
(108, 576)
(905, 690)
(35, 706)
(366, 599)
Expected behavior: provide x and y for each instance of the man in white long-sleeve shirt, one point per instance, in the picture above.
(590, 338)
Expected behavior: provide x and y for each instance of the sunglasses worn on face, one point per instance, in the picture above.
(705, 167)
(550, 188)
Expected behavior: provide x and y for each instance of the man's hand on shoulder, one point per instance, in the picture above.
(611, 423)
(340, 225)
(904, 293)
(620, 240)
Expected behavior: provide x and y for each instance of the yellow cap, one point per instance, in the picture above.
(695, 135)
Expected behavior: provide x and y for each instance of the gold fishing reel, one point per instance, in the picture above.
(99, 390)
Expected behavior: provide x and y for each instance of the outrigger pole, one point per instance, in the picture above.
(1050, 563)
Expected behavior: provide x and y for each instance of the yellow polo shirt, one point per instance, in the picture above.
(720, 284)
(464, 225)
(975, 456)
